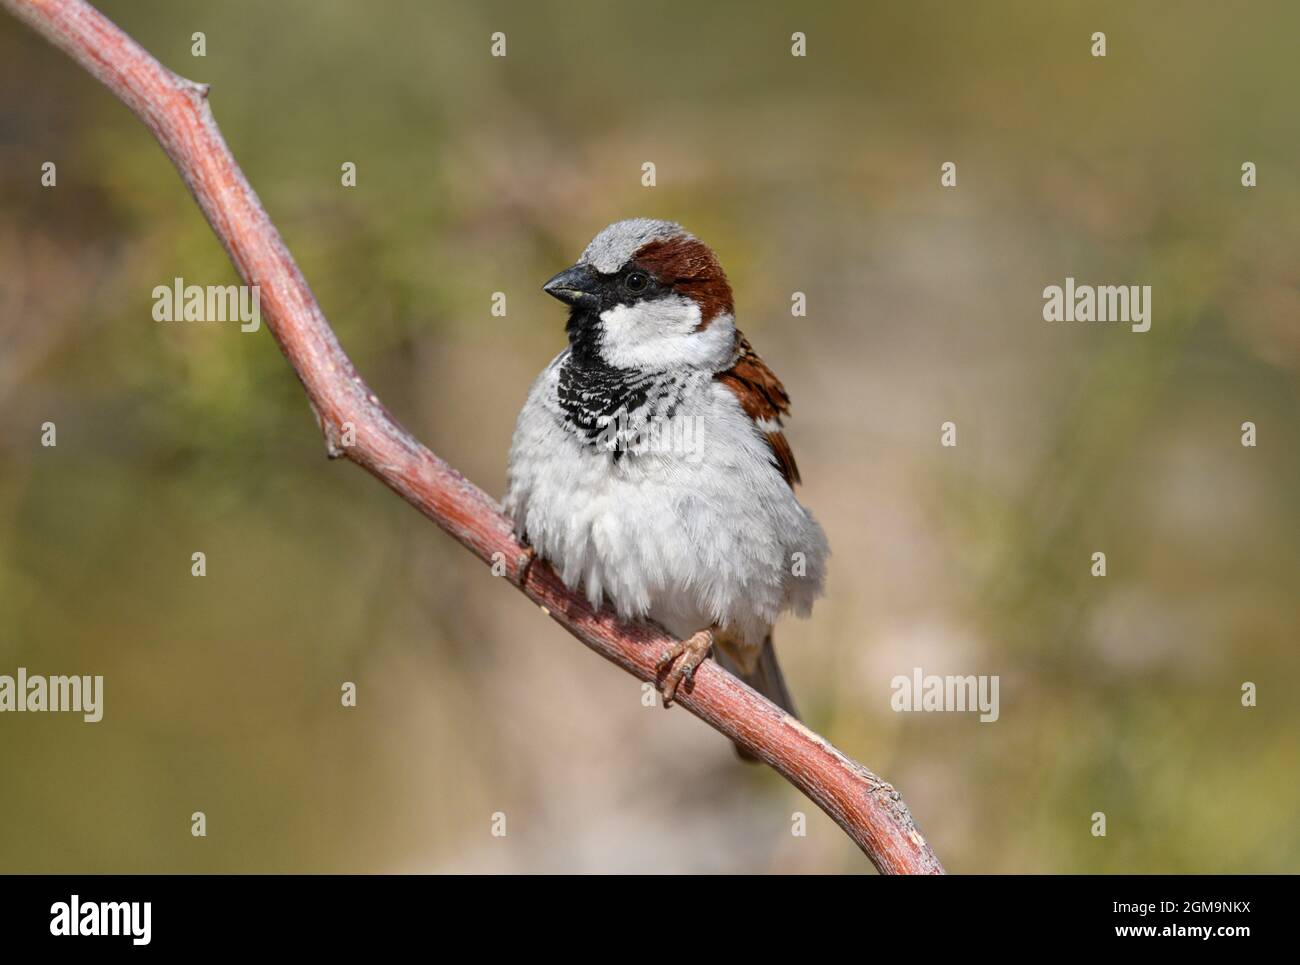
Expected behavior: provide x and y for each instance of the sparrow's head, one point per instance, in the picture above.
(648, 295)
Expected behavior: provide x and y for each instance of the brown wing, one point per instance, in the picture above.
(764, 400)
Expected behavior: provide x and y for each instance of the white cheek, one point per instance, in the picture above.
(664, 334)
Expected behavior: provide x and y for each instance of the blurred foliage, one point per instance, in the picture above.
(820, 175)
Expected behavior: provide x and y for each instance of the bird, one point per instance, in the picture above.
(649, 466)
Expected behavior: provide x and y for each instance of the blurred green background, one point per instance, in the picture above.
(1118, 694)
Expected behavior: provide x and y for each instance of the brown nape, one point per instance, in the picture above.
(691, 268)
(763, 398)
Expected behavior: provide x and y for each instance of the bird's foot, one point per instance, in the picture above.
(681, 659)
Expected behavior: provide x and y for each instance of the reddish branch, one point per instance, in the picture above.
(177, 112)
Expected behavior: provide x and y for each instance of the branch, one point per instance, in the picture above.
(176, 111)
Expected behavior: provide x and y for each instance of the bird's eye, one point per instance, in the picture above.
(636, 281)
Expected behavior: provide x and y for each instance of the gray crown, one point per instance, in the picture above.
(610, 250)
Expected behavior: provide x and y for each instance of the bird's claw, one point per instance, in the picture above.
(683, 659)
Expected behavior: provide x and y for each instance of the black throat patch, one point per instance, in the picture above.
(595, 394)
(619, 411)
(614, 409)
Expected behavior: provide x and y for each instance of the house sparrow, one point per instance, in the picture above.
(648, 464)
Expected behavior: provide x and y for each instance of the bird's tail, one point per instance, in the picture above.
(765, 677)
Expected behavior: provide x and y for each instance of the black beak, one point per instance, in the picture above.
(575, 286)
